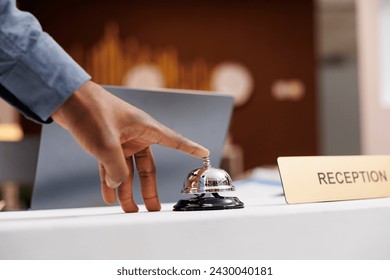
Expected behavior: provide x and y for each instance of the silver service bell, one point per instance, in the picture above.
(207, 180)
(205, 183)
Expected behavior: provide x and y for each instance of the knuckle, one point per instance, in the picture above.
(145, 174)
(195, 150)
(180, 141)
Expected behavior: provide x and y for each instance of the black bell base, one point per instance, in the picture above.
(201, 203)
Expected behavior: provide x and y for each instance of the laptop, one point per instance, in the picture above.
(67, 176)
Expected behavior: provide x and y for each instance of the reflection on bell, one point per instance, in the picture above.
(205, 183)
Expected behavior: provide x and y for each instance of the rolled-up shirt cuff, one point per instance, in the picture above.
(45, 77)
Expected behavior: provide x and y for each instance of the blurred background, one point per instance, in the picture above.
(291, 65)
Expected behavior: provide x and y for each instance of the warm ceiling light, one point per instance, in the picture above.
(144, 75)
(10, 132)
(10, 128)
(234, 79)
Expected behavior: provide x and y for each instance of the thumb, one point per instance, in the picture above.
(114, 164)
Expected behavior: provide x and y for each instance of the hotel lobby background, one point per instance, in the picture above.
(275, 40)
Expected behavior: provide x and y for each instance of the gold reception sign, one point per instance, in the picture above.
(331, 178)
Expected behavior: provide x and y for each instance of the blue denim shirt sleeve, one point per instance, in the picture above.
(36, 74)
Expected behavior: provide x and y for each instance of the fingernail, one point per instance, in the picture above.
(111, 183)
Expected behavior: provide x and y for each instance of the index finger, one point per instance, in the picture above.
(171, 139)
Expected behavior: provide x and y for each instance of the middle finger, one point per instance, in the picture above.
(125, 190)
(147, 173)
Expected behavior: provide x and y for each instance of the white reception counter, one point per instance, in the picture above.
(267, 228)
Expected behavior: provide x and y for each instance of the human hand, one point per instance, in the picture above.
(115, 132)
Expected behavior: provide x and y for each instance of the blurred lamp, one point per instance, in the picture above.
(144, 75)
(10, 128)
(234, 79)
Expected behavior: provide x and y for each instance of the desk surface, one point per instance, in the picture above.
(267, 228)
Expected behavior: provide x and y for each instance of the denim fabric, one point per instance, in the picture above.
(36, 74)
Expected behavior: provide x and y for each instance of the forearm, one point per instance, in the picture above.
(33, 67)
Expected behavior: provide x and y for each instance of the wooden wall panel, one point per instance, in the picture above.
(274, 39)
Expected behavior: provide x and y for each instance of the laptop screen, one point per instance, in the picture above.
(68, 177)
